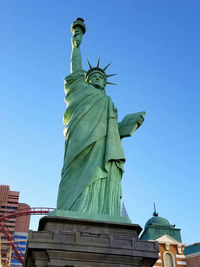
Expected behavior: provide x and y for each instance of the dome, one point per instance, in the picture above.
(157, 220)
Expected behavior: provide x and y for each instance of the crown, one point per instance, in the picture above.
(79, 22)
(99, 70)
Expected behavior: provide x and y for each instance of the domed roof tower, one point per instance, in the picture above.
(158, 226)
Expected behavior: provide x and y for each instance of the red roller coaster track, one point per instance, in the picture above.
(22, 212)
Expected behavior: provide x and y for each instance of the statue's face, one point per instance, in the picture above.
(97, 80)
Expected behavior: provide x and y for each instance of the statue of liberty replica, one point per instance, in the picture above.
(87, 228)
(94, 158)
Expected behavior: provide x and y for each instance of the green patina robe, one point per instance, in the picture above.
(93, 159)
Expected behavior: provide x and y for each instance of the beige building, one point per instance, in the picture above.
(171, 252)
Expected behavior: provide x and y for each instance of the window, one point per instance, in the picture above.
(9, 226)
(21, 243)
(168, 260)
(9, 221)
(20, 237)
(9, 207)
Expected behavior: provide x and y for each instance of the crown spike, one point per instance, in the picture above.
(111, 75)
(111, 83)
(98, 62)
(107, 66)
(90, 66)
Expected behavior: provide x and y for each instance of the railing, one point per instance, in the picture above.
(20, 212)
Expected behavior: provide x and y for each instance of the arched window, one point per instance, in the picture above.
(168, 260)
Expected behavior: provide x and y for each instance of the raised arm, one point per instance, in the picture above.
(78, 29)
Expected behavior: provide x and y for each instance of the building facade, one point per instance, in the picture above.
(169, 239)
(8, 203)
(17, 226)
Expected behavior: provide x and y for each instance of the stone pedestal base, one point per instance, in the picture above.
(71, 242)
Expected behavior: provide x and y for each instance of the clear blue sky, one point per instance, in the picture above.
(154, 47)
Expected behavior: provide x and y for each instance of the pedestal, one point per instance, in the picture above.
(69, 242)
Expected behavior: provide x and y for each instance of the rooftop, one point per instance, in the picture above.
(194, 248)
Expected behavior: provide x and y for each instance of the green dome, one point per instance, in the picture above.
(156, 220)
